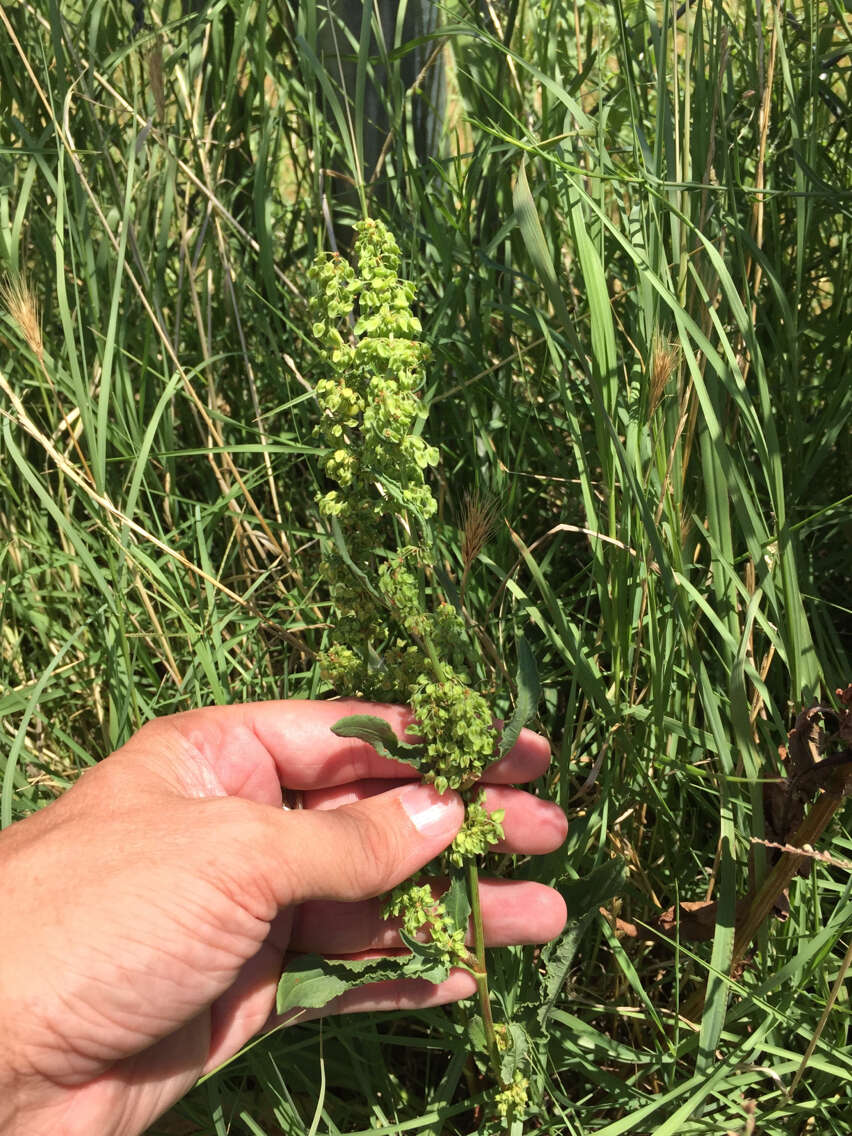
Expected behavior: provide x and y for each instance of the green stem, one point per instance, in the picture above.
(433, 658)
(481, 973)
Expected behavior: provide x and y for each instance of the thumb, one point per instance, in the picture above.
(363, 849)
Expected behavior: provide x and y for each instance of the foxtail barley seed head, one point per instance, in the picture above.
(665, 358)
(478, 521)
(20, 301)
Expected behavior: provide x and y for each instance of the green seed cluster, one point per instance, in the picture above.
(368, 394)
(512, 1100)
(393, 637)
(419, 910)
(480, 830)
(456, 725)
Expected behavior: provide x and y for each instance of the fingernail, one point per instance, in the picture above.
(432, 813)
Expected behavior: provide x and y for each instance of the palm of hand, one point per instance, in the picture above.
(147, 992)
(167, 960)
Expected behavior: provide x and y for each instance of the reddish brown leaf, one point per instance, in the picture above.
(695, 919)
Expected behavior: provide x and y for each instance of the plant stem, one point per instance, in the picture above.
(433, 658)
(481, 974)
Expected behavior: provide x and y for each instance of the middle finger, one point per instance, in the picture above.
(514, 912)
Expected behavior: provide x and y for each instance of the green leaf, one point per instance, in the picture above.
(343, 552)
(541, 255)
(380, 735)
(307, 987)
(582, 897)
(559, 964)
(448, 587)
(425, 961)
(587, 894)
(456, 902)
(514, 1056)
(311, 982)
(476, 1039)
(529, 692)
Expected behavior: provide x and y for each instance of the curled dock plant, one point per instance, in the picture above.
(394, 635)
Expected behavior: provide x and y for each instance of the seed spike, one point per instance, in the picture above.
(20, 301)
(480, 514)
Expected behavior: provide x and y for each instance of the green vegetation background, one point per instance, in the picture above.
(629, 231)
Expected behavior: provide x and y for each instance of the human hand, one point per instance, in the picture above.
(147, 911)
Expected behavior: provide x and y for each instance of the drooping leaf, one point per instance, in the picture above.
(380, 735)
(559, 963)
(529, 692)
(540, 254)
(447, 584)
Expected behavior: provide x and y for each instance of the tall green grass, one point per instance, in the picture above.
(630, 239)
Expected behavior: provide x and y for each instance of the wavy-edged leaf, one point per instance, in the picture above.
(425, 961)
(381, 736)
(582, 897)
(311, 982)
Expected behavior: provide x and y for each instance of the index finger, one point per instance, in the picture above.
(292, 744)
